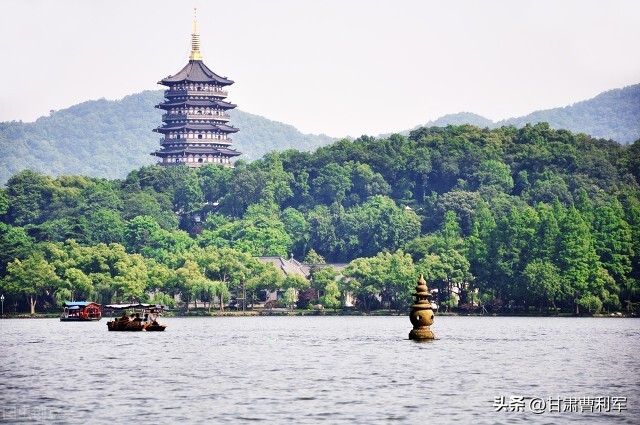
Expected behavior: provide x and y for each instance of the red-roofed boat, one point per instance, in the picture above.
(81, 311)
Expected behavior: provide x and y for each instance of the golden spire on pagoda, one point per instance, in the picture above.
(195, 40)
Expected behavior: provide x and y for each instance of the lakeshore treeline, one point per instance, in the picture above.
(529, 219)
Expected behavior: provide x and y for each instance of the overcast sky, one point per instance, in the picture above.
(339, 67)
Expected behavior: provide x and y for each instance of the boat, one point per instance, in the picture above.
(143, 317)
(81, 311)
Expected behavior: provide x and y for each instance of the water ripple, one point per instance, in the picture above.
(352, 370)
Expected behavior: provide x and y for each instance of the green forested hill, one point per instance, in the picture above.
(108, 139)
(614, 115)
(506, 218)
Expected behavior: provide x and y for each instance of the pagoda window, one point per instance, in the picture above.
(199, 159)
(199, 136)
(178, 136)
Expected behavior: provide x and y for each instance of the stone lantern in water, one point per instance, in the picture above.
(421, 315)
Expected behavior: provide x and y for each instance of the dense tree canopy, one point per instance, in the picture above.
(511, 217)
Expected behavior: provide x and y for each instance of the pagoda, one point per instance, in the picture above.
(195, 130)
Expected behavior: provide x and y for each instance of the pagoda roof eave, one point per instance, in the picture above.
(194, 150)
(197, 127)
(227, 128)
(196, 72)
(220, 103)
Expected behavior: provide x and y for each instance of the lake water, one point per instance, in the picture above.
(322, 369)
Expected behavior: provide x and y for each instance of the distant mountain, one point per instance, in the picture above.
(462, 118)
(104, 138)
(614, 114)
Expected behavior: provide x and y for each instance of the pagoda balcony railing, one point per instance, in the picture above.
(227, 141)
(221, 117)
(210, 117)
(166, 117)
(216, 93)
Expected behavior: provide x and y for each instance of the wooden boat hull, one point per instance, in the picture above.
(155, 328)
(80, 319)
(125, 327)
(135, 327)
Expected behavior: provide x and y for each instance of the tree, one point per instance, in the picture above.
(259, 233)
(376, 225)
(14, 243)
(321, 225)
(321, 277)
(495, 173)
(293, 284)
(314, 258)
(291, 297)
(188, 195)
(547, 234)
(478, 245)
(188, 280)
(332, 183)
(140, 232)
(214, 181)
(387, 275)
(105, 226)
(462, 203)
(512, 249)
(296, 227)
(33, 277)
(206, 290)
(29, 193)
(577, 256)
(78, 284)
(245, 188)
(366, 182)
(332, 294)
(612, 240)
(264, 277)
(131, 277)
(541, 280)
(235, 269)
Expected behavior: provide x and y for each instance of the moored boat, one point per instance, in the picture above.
(81, 311)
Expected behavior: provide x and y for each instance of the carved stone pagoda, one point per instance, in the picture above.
(421, 315)
(195, 130)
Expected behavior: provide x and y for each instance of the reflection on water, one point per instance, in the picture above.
(311, 369)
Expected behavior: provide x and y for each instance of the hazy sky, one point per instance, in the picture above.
(339, 67)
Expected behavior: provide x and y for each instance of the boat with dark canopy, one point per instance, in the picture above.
(141, 317)
(81, 311)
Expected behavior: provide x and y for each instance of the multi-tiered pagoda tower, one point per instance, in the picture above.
(195, 129)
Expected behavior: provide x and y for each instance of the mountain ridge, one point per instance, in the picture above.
(109, 138)
(594, 116)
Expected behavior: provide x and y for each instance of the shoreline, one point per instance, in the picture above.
(295, 313)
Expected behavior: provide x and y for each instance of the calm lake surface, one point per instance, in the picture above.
(322, 369)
